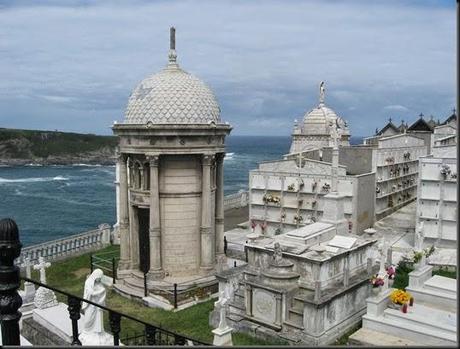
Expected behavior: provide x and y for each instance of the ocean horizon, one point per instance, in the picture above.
(55, 201)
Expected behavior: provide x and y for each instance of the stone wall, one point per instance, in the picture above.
(180, 212)
(333, 317)
(39, 335)
(357, 159)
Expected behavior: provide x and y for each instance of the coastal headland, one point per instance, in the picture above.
(23, 147)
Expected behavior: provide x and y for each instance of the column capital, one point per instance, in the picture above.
(153, 160)
(121, 157)
(207, 159)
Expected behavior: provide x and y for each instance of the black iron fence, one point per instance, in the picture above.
(151, 335)
(107, 262)
(10, 250)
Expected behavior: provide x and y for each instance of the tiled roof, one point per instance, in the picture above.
(172, 96)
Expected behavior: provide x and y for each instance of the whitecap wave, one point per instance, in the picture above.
(86, 165)
(33, 179)
(33, 165)
(229, 156)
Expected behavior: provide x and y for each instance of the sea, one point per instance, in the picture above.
(51, 202)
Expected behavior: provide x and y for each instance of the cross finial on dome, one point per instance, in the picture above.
(321, 92)
(172, 46)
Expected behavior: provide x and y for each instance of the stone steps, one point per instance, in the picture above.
(293, 325)
(425, 318)
(295, 316)
(369, 338)
(128, 291)
(441, 299)
(441, 284)
(407, 329)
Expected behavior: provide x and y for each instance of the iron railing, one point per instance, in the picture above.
(152, 334)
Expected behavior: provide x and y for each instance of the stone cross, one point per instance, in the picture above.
(27, 264)
(41, 266)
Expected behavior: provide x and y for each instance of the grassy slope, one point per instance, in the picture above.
(21, 144)
(70, 275)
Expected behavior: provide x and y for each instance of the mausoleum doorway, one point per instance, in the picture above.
(144, 246)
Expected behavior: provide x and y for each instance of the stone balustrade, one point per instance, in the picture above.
(237, 200)
(69, 246)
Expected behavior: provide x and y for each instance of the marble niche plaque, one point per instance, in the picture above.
(264, 305)
(342, 241)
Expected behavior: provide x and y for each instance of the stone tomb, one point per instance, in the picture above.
(431, 321)
(307, 286)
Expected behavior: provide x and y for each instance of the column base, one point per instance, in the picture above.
(205, 270)
(157, 274)
(124, 264)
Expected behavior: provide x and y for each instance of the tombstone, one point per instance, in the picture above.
(29, 288)
(44, 297)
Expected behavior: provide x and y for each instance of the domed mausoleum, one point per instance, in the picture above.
(317, 126)
(170, 166)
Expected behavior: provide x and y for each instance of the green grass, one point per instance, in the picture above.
(70, 275)
(402, 274)
(343, 340)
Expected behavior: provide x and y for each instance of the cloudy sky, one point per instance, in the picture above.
(71, 65)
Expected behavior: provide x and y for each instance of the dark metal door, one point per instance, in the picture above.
(144, 247)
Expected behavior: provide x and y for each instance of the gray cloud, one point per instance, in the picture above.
(72, 65)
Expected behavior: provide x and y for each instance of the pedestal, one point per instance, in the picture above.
(222, 337)
(333, 212)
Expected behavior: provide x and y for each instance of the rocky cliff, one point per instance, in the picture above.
(20, 147)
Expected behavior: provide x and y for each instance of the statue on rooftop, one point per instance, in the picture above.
(321, 92)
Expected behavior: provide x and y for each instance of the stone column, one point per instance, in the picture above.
(134, 237)
(155, 271)
(207, 243)
(125, 247)
(278, 317)
(220, 204)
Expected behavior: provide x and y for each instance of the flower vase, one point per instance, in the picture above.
(404, 308)
(411, 301)
(390, 282)
(375, 290)
(395, 306)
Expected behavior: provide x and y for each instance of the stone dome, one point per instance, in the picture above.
(319, 119)
(172, 96)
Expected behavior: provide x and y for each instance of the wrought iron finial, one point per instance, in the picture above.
(321, 92)
(172, 46)
(11, 301)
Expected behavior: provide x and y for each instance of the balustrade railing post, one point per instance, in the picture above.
(145, 284)
(150, 332)
(91, 262)
(225, 245)
(114, 270)
(175, 296)
(10, 300)
(115, 321)
(74, 311)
